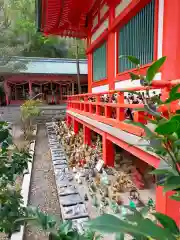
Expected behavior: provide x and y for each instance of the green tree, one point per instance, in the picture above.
(39, 46)
(9, 45)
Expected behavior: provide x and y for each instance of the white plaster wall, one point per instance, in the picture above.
(128, 84)
(160, 28)
(104, 25)
(121, 6)
(104, 10)
(99, 89)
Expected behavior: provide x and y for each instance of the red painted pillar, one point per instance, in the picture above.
(170, 71)
(30, 88)
(166, 205)
(68, 120)
(75, 126)
(60, 94)
(6, 92)
(108, 152)
(87, 135)
(111, 51)
(90, 75)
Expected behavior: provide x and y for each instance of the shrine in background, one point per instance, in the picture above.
(147, 29)
(50, 79)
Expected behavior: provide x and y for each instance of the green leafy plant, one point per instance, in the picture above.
(29, 111)
(57, 229)
(12, 164)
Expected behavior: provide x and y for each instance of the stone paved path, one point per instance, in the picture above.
(43, 189)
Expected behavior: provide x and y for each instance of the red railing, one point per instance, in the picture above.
(110, 107)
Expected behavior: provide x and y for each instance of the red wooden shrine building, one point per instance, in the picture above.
(147, 29)
(50, 79)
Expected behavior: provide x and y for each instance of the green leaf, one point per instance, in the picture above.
(167, 222)
(167, 127)
(176, 117)
(174, 90)
(144, 211)
(172, 183)
(177, 143)
(148, 132)
(134, 76)
(176, 196)
(119, 236)
(153, 69)
(162, 171)
(111, 224)
(178, 112)
(173, 98)
(132, 59)
(152, 112)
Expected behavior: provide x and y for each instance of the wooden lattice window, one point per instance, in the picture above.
(99, 63)
(136, 38)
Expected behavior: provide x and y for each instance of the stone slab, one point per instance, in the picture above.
(51, 133)
(63, 174)
(54, 159)
(70, 200)
(57, 151)
(56, 148)
(59, 161)
(59, 154)
(78, 224)
(53, 142)
(63, 183)
(74, 212)
(52, 139)
(58, 157)
(62, 166)
(63, 191)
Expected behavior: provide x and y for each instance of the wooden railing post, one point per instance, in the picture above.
(68, 120)
(97, 106)
(87, 135)
(108, 151)
(108, 110)
(75, 126)
(85, 104)
(120, 113)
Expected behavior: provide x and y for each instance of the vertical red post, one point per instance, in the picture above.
(60, 93)
(75, 126)
(170, 71)
(108, 151)
(68, 120)
(166, 205)
(30, 88)
(87, 135)
(90, 77)
(98, 106)
(6, 92)
(119, 110)
(111, 51)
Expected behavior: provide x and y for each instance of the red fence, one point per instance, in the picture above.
(112, 107)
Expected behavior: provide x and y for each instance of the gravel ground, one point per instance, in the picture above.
(43, 189)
